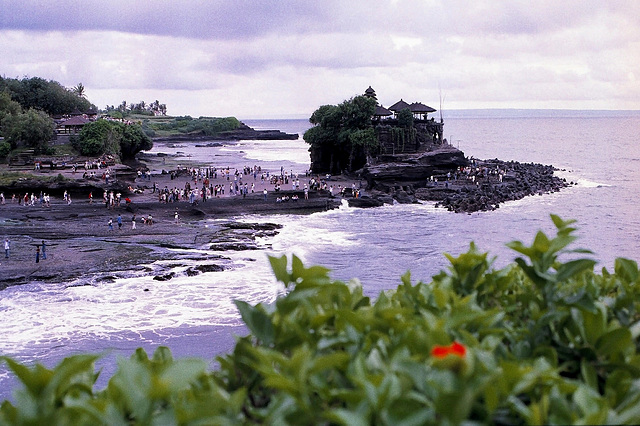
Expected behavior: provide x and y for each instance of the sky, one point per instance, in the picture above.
(284, 59)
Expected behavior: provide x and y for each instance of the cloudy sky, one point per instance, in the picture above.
(285, 58)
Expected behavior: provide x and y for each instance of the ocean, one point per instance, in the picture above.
(597, 150)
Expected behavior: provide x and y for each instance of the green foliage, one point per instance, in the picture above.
(545, 340)
(48, 96)
(112, 137)
(208, 126)
(342, 136)
(5, 149)
(405, 118)
(32, 128)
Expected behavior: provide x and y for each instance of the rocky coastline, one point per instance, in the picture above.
(243, 132)
(454, 182)
(81, 244)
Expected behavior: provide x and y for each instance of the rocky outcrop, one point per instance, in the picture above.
(437, 176)
(390, 171)
(488, 192)
(243, 132)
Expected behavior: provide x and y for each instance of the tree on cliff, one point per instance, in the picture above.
(342, 136)
(112, 137)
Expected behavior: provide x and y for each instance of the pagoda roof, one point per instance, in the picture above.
(399, 106)
(420, 108)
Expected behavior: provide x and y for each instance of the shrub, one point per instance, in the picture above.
(544, 340)
(5, 149)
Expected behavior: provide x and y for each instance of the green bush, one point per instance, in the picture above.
(5, 149)
(112, 137)
(545, 340)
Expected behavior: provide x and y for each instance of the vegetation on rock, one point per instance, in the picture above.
(342, 137)
(186, 125)
(545, 340)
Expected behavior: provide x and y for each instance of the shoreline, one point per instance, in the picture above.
(80, 244)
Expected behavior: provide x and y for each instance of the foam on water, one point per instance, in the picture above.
(141, 304)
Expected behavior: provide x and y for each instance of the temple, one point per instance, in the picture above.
(401, 132)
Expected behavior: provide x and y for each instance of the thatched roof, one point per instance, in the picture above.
(370, 92)
(381, 112)
(399, 106)
(75, 121)
(420, 108)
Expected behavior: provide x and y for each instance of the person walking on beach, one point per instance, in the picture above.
(110, 224)
(119, 222)
(7, 247)
(37, 254)
(44, 251)
(133, 222)
(176, 216)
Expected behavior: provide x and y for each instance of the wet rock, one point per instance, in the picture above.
(196, 270)
(365, 202)
(165, 277)
(233, 246)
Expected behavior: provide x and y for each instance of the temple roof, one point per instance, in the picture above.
(370, 93)
(381, 112)
(420, 108)
(399, 106)
(75, 121)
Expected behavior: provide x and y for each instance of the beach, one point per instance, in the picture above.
(79, 241)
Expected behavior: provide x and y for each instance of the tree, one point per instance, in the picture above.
(112, 137)
(78, 90)
(338, 139)
(32, 128)
(405, 118)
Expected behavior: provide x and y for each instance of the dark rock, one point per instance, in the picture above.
(132, 207)
(165, 277)
(365, 202)
(233, 246)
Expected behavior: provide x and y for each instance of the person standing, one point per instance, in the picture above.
(7, 247)
(119, 222)
(133, 222)
(44, 251)
(110, 225)
(37, 254)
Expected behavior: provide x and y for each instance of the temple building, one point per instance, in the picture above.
(394, 138)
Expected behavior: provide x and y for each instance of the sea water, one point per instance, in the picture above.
(196, 316)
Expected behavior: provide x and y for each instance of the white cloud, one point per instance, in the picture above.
(255, 59)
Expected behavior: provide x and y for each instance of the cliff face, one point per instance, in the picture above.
(411, 169)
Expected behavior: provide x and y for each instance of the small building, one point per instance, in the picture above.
(72, 125)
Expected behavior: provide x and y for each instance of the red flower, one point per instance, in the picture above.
(453, 349)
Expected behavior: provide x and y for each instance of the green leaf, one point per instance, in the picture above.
(279, 267)
(618, 340)
(627, 269)
(573, 268)
(257, 321)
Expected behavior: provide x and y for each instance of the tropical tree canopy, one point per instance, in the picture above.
(48, 96)
(342, 135)
(112, 137)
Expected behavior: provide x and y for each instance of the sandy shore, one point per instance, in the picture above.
(79, 242)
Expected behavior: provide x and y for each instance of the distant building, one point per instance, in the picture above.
(393, 139)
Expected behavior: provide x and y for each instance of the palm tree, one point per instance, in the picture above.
(79, 91)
